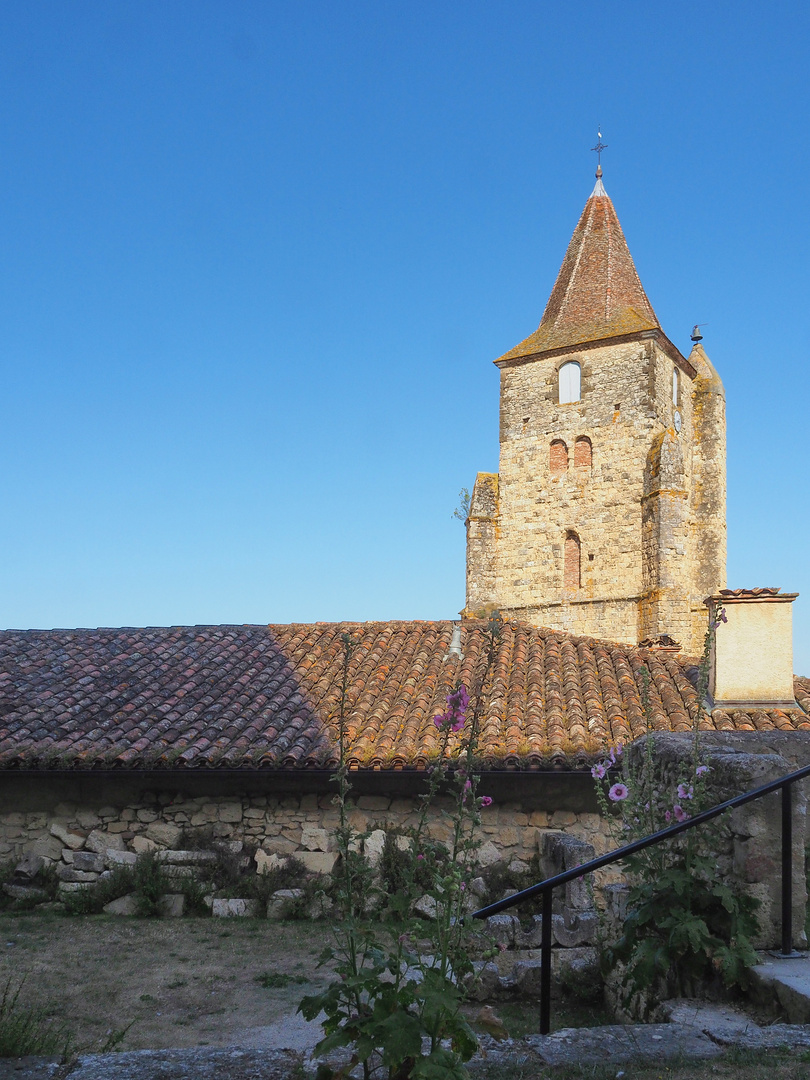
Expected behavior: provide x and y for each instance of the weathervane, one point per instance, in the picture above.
(600, 146)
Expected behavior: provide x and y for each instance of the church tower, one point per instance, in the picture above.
(608, 514)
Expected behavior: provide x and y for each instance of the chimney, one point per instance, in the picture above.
(752, 656)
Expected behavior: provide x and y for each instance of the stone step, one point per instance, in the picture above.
(783, 986)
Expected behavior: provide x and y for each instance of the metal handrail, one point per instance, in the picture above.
(545, 888)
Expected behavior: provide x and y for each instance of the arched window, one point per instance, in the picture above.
(583, 453)
(558, 457)
(569, 375)
(675, 385)
(571, 570)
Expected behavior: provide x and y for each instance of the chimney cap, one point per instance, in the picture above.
(741, 596)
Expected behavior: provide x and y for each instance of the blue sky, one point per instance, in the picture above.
(256, 260)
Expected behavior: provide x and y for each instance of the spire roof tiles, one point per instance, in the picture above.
(598, 293)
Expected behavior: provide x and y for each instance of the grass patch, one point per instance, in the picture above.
(26, 1030)
(274, 980)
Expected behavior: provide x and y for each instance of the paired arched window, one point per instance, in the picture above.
(558, 457)
(572, 561)
(570, 376)
(583, 452)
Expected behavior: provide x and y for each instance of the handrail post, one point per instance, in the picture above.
(787, 870)
(545, 965)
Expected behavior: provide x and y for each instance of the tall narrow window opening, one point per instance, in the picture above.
(675, 382)
(569, 387)
(583, 452)
(571, 569)
(558, 457)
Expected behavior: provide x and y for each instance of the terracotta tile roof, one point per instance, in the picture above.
(598, 293)
(267, 696)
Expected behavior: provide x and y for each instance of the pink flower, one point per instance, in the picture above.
(679, 812)
(467, 785)
(685, 791)
(420, 856)
(598, 771)
(667, 817)
(463, 886)
(618, 793)
(486, 801)
(701, 770)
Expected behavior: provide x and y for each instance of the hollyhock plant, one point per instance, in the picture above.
(675, 940)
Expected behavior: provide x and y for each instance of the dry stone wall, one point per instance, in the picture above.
(300, 825)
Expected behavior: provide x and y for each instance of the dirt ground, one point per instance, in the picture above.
(181, 983)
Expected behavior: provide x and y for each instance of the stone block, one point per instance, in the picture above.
(163, 833)
(24, 892)
(487, 854)
(172, 906)
(230, 812)
(117, 826)
(265, 863)
(373, 802)
(28, 867)
(67, 873)
(235, 908)
(142, 844)
(147, 815)
(47, 847)
(425, 907)
(74, 886)
(103, 841)
(508, 836)
(87, 819)
(318, 862)
(314, 839)
(517, 866)
(124, 905)
(187, 858)
(279, 845)
(279, 903)
(484, 982)
(373, 846)
(88, 860)
(114, 858)
(579, 930)
(503, 929)
(108, 812)
(69, 837)
(526, 976)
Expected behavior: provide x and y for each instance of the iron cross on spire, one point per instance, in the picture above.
(600, 146)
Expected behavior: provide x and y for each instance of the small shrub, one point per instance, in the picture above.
(91, 901)
(151, 883)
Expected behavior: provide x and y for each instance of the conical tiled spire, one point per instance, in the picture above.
(598, 293)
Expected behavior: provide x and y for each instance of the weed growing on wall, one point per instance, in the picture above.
(396, 1001)
(685, 928)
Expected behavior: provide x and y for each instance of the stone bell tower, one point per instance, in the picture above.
(608, 514)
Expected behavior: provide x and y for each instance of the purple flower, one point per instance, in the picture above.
(463, 886)
(598, 771)
(618, 793)
(701, 770)
(457, 703)
(420, 856)
(467, 785)
(667, 817)
(486, 801)
(679, 813)
(685, 791)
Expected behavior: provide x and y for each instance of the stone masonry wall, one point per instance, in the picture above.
(641, 528)
(299, 825)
